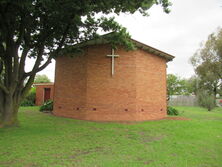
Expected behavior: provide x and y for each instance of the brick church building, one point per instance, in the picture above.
(104, 84)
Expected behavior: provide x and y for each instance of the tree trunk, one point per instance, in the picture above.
(9, 111)
(215, 95)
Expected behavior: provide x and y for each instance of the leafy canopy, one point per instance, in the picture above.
(40, 29)
(179, 86)
(42, 79)
(207, 62)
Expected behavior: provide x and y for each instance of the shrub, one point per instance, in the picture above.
(172, 111)
(30, 98)
(206, 100)
(27, 103)
(47, 106)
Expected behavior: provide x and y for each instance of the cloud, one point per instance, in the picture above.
(178, 33)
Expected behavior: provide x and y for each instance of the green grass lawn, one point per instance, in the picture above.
(44, 140)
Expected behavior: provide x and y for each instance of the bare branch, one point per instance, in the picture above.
(48, 61)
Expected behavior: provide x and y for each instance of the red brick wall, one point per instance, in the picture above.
(40, 93)
(151, 86)
(70, 86)
(85, 89)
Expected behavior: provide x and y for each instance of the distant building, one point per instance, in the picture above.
(44, 92)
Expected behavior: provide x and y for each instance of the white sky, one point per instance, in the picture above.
(178, 33)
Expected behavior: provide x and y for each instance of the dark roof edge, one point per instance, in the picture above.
(46, 83)
(153, 50)
(140, 45)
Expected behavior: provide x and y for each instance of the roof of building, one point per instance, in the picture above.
(138, 44)
(45, 84)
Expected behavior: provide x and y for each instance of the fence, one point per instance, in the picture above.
(189, 100)
(182, 100)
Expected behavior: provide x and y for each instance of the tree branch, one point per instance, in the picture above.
(52, 54)
(20, 33)
(2, 87)
(32, 73)
(27, 86)
(15, 72)
(49, 60)
(22, 61)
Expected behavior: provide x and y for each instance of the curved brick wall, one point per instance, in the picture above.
(85, 89)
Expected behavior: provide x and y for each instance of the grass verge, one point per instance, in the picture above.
(43, 140)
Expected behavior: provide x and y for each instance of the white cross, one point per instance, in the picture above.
(113, 56)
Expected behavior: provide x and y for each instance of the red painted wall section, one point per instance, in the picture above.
(40, 92)
(85, 89)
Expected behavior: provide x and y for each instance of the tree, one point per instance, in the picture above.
(41, 29)
(41, 79)
(191, 85)
(205, 99)
(178, 86)
(207, 62)
(173, 85)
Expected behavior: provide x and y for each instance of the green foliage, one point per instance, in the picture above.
(57, 24)
(30, 98)
(42, 79)
(173, 85)
(120, 38)
(172, 111)
(207, 62)
(179, 86)
(206, 100)
(27, 103)
(192, 84)
(47, 106)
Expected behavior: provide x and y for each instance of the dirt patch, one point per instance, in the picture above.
(7, 163)
(176, 118)
(146, 138)
(137, 122)
(4, 153)
(128, 122)
(145, 162)
(85, 152)
(119, 122)
(96, 129)
(31, 165)
(149, 139)
(148, 162)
